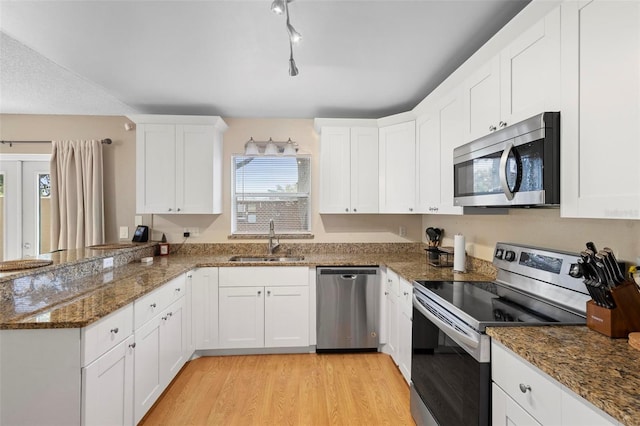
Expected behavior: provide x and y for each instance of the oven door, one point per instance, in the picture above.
(450, 369)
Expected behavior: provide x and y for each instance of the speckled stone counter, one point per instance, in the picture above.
(54, 298)
(604, 371)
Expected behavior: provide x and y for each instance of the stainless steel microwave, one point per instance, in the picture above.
(516, 166)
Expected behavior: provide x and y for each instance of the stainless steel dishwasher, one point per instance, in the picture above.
(347, 308)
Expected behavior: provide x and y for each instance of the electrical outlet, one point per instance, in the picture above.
(402, 231)
(107, 262)
(137, 220)
(124, 232)
(193, 232)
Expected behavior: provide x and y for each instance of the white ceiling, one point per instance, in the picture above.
(358, 59)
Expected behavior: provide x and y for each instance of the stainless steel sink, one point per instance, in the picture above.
(266, 258)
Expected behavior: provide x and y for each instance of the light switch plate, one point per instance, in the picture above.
(137, 220)
(124, 232)
(107, 262)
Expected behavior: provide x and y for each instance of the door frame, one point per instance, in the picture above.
(12, 243)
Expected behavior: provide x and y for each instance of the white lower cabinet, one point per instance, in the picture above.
(391, 290)
(505, 411)
(241, 317)
(205, 308)
(524, 395)
(107, 387)
(286, 317)
(272, 315)
(160, 346)
(404, 328)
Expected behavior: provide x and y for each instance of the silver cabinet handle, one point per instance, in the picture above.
(169, 314)
(502, 124)
(114, 330)
(346, 210)
(153, 305)
(133, 345)
(492, 128)
(178, 208)
(164, 318)
(386, 293)
(524, 388)
(170, 209)
(355, 210)
(405, 293)
(410, 209)
(178, 289)
(259, 292)
(268, 292)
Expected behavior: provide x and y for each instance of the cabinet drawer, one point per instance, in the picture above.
(105, 334)
(542, 397)
(153, 303)
(260, 276)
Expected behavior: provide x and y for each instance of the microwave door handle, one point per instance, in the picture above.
(503, 171)
(455, 334)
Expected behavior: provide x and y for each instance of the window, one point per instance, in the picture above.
(271, 187)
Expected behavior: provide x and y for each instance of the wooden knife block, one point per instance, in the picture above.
(620, 321)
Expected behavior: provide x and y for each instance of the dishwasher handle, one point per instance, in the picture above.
(349, 277)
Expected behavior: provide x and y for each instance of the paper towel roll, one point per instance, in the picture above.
(459, 256)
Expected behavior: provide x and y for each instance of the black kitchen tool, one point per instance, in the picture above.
(616, 266)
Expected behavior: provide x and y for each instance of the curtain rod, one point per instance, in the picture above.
(104, 141)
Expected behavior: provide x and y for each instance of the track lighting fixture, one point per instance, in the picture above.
(282, 6)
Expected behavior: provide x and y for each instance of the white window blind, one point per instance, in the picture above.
(271, 187)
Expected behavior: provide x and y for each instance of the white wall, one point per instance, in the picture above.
(541, 228)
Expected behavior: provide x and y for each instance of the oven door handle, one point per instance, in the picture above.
(463, 338)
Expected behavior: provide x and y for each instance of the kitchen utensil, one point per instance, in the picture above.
(591, 246)
(438, 234)
(614, 262)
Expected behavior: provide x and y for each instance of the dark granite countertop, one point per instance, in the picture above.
(602, 370)
(54, 299)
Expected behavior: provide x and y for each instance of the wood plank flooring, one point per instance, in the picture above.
(300, 389)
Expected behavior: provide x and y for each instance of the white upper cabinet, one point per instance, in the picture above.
(349, 170)
(523, 80)
(438, 132)
(482, 101)
(600, 147)
(178, 164)
(398, 168)
(530, 71)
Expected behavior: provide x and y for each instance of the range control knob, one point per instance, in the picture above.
(575, 270)
(510, 256)
(499, 253)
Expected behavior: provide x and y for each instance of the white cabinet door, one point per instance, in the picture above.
(397, 175)
(600, 110)
(205, 308)
(147, 374)
(241, 317)
(505, 411)
(198, 180)
(349, 170)
(179, 165)
(404, 328)
(364, 170)
(438, 132)
(107, 387)
(172, 341)
(392, 289)
(530, 71)
(155, 168)
(481, 93)
(286, 316)
(335, 170)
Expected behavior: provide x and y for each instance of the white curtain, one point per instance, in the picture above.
(77, 196)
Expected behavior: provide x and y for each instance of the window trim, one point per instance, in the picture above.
(235, 234)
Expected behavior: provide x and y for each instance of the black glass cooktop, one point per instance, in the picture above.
(480, 301)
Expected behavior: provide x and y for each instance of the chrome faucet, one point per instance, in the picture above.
(272, 235)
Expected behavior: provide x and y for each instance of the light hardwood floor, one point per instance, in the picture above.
(301, 389)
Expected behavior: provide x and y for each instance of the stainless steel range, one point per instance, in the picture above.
(450, 364)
